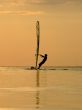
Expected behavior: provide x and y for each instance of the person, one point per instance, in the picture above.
(43, 61)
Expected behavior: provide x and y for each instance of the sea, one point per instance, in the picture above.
(50, 88)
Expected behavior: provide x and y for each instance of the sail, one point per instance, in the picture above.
(38, 41)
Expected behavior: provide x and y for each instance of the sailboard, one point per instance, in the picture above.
(38, 42)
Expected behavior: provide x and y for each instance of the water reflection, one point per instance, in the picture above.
(37, 92)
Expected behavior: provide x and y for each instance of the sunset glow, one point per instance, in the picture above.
(61, 32)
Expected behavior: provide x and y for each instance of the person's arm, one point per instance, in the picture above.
(41, 55)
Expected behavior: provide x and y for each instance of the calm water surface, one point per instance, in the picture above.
(22, 89)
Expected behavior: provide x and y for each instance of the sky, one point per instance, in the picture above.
(60, 32)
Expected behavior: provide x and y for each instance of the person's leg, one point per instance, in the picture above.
(40, 65)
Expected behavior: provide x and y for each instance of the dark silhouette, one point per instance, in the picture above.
(43, 61)
(32, 67)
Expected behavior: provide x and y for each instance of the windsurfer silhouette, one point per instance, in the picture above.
(43, 61)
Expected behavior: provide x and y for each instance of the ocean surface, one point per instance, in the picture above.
(51, 88)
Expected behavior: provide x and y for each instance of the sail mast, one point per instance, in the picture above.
(38, 41)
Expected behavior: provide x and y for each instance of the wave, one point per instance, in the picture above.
(17, 68)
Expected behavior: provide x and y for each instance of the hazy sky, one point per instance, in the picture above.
(61, 32)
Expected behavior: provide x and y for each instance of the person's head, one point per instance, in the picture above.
(45, 54)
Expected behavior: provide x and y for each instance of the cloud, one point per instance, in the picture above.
(37, 2)
(42, 5)
(54, 2)
(22, 12)
(18, 2)
(20, 7)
